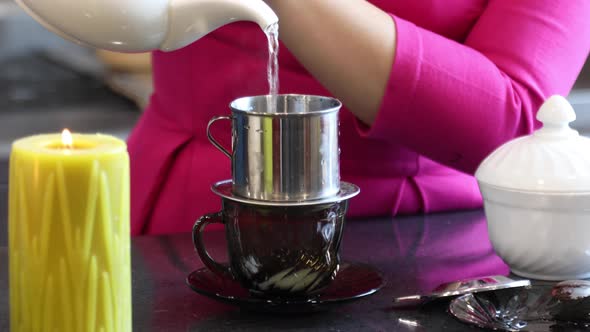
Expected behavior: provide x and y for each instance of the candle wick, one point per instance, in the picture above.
(66, 139)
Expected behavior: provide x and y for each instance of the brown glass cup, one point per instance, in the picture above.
(277, 251)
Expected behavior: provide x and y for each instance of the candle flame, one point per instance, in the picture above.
(66, 139)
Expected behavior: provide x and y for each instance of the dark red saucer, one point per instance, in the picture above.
(353, 281)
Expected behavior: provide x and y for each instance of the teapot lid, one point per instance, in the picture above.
(553, 159)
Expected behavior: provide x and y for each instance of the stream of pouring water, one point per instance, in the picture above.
(272, 34)
(272, 71)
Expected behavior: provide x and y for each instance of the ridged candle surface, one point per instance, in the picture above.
(69, 234)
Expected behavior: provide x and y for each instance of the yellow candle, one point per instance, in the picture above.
(69, 234)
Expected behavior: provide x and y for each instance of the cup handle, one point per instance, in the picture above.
(198, 229)
(210, 136)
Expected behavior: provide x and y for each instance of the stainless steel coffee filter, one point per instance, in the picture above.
(285, 153)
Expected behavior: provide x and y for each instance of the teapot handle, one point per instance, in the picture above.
(210, 136)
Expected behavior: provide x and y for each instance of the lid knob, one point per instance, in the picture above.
(556, 113)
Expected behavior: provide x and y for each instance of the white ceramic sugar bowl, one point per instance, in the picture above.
(536, 192)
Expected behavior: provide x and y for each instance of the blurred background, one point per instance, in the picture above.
(47, 84)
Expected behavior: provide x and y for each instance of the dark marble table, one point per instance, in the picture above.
(415, 254)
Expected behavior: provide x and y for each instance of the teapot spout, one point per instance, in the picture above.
(190, 20)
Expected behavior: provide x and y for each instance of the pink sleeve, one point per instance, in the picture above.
(455, 103)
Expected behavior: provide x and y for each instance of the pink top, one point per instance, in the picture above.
(468, 75)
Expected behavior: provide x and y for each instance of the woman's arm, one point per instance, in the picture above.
(451, 102)
(347, 45)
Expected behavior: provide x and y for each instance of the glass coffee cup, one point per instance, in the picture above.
(286, 250)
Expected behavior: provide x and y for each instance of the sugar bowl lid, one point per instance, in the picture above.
(554, 159)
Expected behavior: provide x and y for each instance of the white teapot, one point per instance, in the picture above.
(143, 25)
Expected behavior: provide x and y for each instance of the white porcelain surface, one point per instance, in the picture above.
(554, 159)
(540, 236)
(192, 19)
(143, 25)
